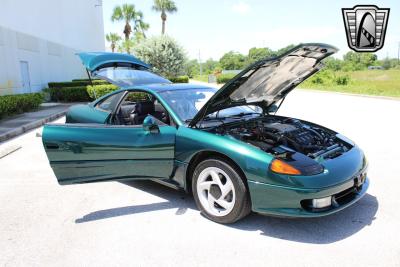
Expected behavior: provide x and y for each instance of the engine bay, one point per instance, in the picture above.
(281, 135)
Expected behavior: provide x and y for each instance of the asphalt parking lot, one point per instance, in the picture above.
(145, 224)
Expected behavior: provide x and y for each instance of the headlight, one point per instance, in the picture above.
(282, 167)
(297, 167)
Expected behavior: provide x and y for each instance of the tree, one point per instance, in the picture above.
(232, 61)
(333, 63)
(163, 53)
(164, 6)
(113, 38)
(126, 46)
(256, 54)
(128, 14)
(368, 59)
(140, 26)
(209, 66)
(284, 50)
(358, 61)
(192, 68)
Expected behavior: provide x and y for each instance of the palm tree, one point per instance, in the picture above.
(126, 46)
(140, 26)
(113, 38)
(128, 13)
(164, 6)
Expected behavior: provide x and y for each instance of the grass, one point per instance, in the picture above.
(367, 82)
(201, 78)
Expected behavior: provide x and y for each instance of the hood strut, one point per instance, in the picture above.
(91, 82)
(280, 104)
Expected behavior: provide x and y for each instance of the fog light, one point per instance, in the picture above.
(319, 203)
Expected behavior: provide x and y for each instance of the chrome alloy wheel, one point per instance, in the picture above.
(215, 191)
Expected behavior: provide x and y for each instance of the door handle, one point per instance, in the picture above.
(52, 146)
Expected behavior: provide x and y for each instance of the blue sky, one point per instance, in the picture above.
(218, 26)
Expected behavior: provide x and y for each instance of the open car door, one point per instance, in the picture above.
(83, 153)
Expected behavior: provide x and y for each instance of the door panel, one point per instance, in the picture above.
(81, 153)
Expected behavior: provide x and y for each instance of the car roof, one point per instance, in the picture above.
(162, 87)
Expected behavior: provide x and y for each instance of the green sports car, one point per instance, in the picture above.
(227, 147)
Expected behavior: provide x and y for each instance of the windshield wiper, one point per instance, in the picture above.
(242, 114)
(209, 118)
(239, 115)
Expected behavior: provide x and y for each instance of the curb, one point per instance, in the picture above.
(25, 128)
(8, 150)
(352, 94)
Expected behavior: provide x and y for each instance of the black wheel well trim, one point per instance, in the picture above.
(209, 154)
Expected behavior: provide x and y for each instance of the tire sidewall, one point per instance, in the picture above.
(241, 195)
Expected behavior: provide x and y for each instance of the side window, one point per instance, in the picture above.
(135, 97)
(137, 105)
(110, 102)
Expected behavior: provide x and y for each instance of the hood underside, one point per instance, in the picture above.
(268, 81)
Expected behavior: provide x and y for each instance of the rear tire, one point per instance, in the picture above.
(220, 192)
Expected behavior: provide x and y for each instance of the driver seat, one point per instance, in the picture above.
(142, 109)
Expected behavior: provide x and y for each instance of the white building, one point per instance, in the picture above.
(39, 39)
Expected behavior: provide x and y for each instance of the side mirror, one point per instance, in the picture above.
(150, 125)
(272, 109)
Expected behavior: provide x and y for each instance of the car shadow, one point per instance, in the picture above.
(174, 200)
(322, 230)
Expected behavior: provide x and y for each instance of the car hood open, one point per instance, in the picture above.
(268, 81)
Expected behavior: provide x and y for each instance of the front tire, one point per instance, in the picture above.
(220, 192)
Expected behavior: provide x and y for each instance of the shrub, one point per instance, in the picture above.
(317, 80)
(137, 96)
(85, 80)
(14, 104)
(323, 77)
(98, 82)
(163, 53)
(342, 79)
(69, 94)
(223, 78)
(75, 83)
(97, 91)
(179, 79)
(330, 78)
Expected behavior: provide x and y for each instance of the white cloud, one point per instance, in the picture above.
(241, 8)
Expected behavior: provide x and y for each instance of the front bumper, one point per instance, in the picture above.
(289, 202)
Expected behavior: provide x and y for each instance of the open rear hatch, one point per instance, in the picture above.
(119, 69)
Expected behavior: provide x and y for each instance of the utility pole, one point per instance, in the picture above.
(398, 54)
(201, 70)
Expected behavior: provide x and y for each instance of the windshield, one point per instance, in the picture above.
(186, 104)
(127, 76)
